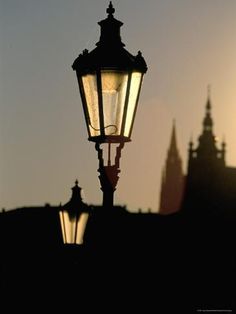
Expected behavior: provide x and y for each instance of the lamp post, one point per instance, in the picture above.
(73, 217)
(109, 79)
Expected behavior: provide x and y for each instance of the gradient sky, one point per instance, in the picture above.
(187, 45)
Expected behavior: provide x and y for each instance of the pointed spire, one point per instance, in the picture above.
(173, 142)
(208, 104)
(207, 148)
(173, 152)
(208, 122)
(172, 178)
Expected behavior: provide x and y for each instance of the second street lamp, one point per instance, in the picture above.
(109, 80)
(73, 218)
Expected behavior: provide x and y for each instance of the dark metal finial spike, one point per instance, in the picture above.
(110, 9)
(76, 182)
(208, 105)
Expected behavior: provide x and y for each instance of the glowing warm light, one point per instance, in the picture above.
(111, 108)
(91, 96)
(114, 86)
(133, 100)
(73, 227)
(73, 217)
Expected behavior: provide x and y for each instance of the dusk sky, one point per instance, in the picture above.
(187, 45)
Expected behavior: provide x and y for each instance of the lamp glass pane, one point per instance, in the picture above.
(68, 224)
(133, 95)
(114, 87)
(81, 225)
(62, 227)
(91, 95)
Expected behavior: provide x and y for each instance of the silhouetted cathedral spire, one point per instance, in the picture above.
(208, 179)
(172, 182)
(208, 122)
(207, 147)
(173, 144)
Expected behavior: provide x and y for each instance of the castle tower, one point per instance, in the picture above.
(172, 184)
(206, 167)
(206, 151)
(206, 158)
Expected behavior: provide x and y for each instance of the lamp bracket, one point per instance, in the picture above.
(109, 173)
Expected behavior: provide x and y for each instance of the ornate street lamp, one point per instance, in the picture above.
(109, 80)
(73, 217)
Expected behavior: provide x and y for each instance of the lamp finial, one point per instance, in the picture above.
(110, 9)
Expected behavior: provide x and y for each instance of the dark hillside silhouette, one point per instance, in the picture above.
(135, 261)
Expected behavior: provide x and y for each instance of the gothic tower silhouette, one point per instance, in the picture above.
(210, 185)
(172, 183)
(206, 156)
